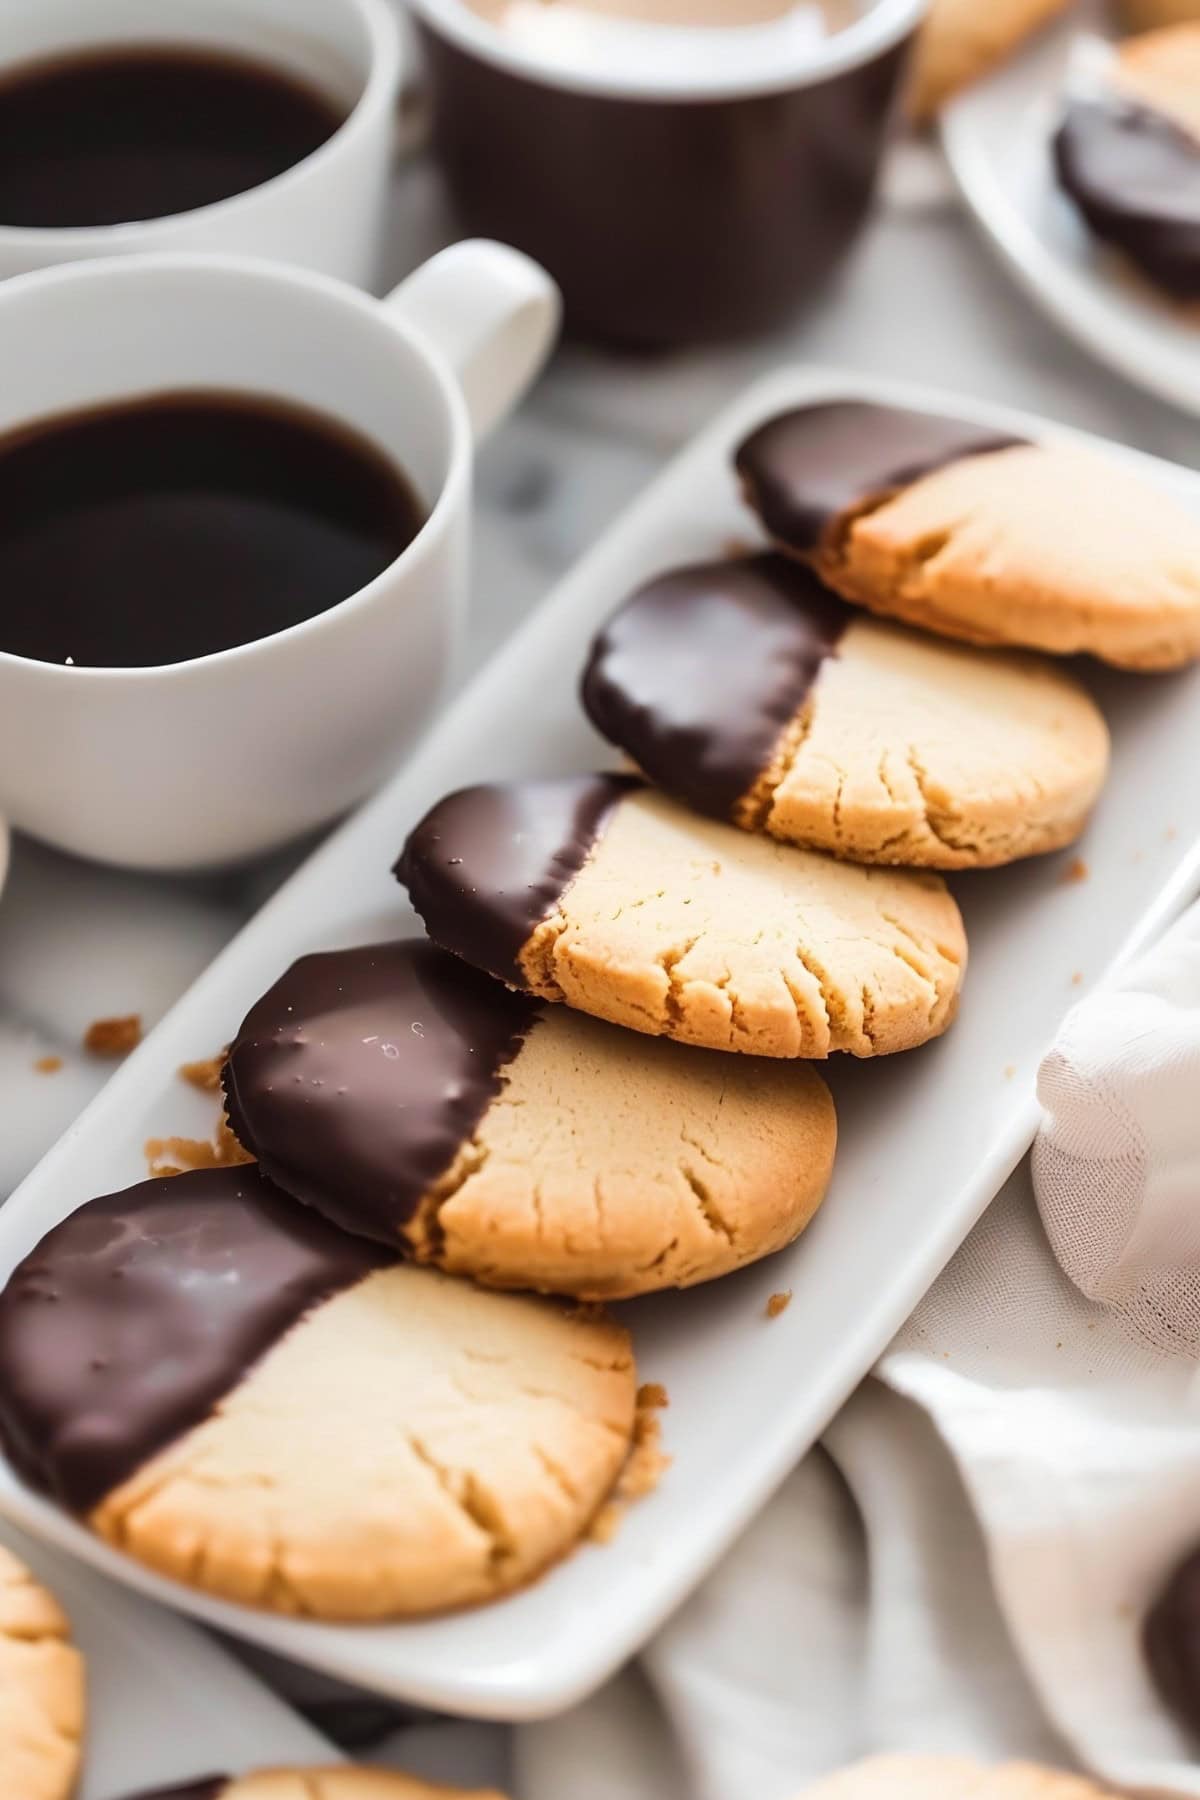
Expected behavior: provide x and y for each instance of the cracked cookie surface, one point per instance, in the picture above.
(243, 1397)
(339, 1783)
(1049, 547)
(735, 687)
(405, 1095)
(906, 1777)
(414, 1444)
(41, 1689)
(681, 927)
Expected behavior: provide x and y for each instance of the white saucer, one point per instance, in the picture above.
(997, 140)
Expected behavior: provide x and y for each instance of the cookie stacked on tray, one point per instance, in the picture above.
(296, 1384)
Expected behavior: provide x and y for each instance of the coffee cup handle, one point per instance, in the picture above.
(490, 312)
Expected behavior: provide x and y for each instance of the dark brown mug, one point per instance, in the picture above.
(672, 206)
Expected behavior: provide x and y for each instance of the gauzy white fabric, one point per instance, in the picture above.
(965, 1563)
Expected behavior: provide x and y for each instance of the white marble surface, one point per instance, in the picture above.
(922, 298)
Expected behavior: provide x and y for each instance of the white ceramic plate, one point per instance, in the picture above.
(997, 139)
(164, 1704)
(926, 1141)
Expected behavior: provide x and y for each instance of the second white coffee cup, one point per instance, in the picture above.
(196, 763)
(327, 212)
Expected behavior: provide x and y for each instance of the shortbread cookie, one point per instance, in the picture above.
(341, 1435)
(407, 1096)
(41, 1690)
(596, 891)
(1148, 15)
(749, 691)
(979, 537)
(903, 1777)
(1128, 154)
(964, 39)
(316, 1784)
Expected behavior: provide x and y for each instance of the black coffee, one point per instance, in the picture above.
(104, 137)
(156, 530)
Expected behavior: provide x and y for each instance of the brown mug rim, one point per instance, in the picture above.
(885, 25)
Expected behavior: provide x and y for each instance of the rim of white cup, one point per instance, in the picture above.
(884, 25)
(378, 92)
(453, 490)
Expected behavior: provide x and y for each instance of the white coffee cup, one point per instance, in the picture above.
(197, 763)
(327, 212)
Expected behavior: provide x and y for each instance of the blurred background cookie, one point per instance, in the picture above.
(41, 1690)
(905, 1777)
(316, 1784)
(407, 1096)
(749, 691)
(601, 893)
(964, 39)
(1146, 15)
(1127, 153)
(342, 1436)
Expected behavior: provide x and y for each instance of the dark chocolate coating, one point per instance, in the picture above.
(803, 469)
(1134, 174)
(664, 221)
(141, 1310)
(357, 1078)
(1171, 1640)
(488, 864)
(207, 1789)
(700, 672)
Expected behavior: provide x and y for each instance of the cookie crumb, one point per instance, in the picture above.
(1010, 1070)
(1172, 832)
(645, 1465)
(1076, 870)
(48, 1065)
(1077, 978)
(779, 1303)
(205, 1074)
(113, 1037)
(181, 1155)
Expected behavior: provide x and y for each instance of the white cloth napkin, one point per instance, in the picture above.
(965, 1563)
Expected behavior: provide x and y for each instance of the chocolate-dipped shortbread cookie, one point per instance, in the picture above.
(1128, 154)
(405, 1095)
(751, 692)
(978, 536)
(316, 1784)
(243, 1397)
(596, 891)
(41, 1690)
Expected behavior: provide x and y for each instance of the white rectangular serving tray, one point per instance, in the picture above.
(926, 1139)
(164, 1704)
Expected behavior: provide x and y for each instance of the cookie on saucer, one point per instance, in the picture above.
(979, 536)
(405, 1095)
(751, 692)
(343, 1436)
(596, 891)
(904, 1777)
(1128, 154)
(340, 1783)
(41, 1689)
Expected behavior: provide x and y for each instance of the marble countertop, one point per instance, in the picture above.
(922, 298)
